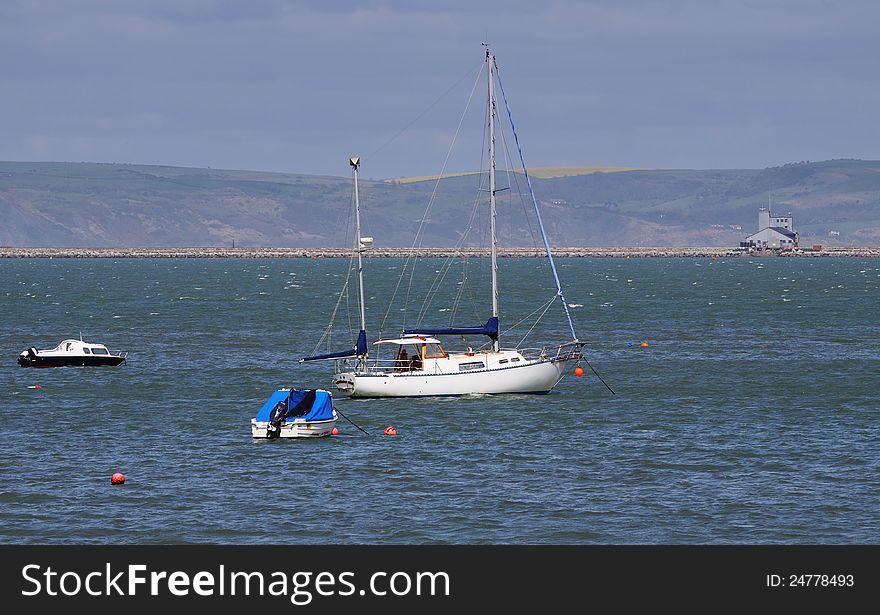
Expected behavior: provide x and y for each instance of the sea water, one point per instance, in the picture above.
(751, 415)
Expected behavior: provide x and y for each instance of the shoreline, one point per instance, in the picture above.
(570, 252)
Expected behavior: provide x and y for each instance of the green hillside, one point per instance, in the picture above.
(834, 202)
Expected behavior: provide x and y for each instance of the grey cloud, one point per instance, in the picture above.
(299, 86)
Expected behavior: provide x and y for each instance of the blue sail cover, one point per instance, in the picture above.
(490, 329)
(321, 410)
(359, 350)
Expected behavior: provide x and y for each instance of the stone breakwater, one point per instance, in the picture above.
(9, 252)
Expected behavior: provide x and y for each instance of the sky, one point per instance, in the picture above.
(300, 86)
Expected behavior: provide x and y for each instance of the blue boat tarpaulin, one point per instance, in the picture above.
(490, 329)
(321, 408)
(359, 350)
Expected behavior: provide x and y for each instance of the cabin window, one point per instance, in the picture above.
(502, 361)
(99, 351)
(86, 350)
(434, 351)
(515, 360)
(466, 367)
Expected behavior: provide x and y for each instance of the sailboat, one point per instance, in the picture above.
(421, 366)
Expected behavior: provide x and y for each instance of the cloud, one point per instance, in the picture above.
(299, 86)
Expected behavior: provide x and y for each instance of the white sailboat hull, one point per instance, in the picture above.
(532, 377)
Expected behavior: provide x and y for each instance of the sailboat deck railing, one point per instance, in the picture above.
(570, 351)
(563, 352)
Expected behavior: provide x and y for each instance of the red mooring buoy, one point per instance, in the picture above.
(117, 479)
(335, 432)
(578, 371)
(390, 431)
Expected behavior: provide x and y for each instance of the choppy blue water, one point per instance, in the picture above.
(751, 417)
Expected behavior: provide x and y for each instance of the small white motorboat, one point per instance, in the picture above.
(71, 353)
(295, 413)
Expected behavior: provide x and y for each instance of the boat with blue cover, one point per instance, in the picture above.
(295, 413)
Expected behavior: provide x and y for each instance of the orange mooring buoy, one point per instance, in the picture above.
(390, 431)
(644, 344)
(578, 371)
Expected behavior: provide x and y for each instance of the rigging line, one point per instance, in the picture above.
(527, 316)
(465, 262)
(328, 330)
(462, 241)
(342, 293)
(354, 248)
(432, 292)
(349, 222)
(464, 288)
(423, 113)
(484, 177)
(471, 292)
(519, 192)
(419, 231)
(536, 322)
(436, 284)
(348, 306)
(445, 268)
(508, 165)
(394, 294)
(537, 210)
(510, 172)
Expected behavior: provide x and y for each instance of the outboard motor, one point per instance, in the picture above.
(276, 420)
(26, 360)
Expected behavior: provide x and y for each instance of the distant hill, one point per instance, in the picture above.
(835, 202)
(542, 172)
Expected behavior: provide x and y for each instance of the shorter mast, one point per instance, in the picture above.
(355, 162)
(362, 243)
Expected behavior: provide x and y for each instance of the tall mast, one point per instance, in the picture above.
(359, 246)
(490, 60)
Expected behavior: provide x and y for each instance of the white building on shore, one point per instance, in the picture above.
(773, 231)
